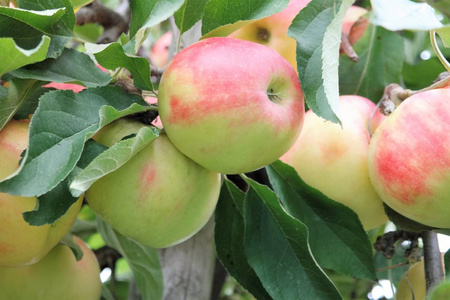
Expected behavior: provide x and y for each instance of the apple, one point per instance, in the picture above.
(409, 158)
(159, 197)
(272, 31)
(160, 50)
(416, 278)
(230, 105)
(20, 243)
(57, 276)
(351, 16)
(333, 159)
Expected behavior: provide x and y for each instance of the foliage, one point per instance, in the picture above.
(280, 240)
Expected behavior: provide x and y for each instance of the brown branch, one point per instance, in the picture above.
(434, 271)
(113, 23)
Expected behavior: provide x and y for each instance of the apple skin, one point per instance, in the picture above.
(409, 158)
(160, 50)
(214, 104)
(272, 31)
(351, 16)
(57, 276)
(333, 159)
(416, 278)
(20, 243)
(160, 197)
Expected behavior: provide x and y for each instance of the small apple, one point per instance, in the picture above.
(416, 279)
(333, 159)
(57, 276)
(159, 197)
(230, 105)
(272, 31)
(20, 243)
(160, 50)
(409, 158)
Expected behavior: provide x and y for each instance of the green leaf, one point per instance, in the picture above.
(447, 263)
(277, 248)
(71, 66)
(381, 58)
(413, 16)
(62, 123)
(317, 30)
(55, 203)
(88, 32)
(15, 57)
(17, 93)
(106, 293)
(51, 206)
(223, 12)
(70, 242)
(444, 34)
(329, 223)
(111, 159)
(145, 14)
(143, 261)
(229, 238)
(112, 56)
(30, 105)
(60, 31)
(190, 13)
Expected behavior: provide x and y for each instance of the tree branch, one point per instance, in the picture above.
(113, 23)
(434, 271)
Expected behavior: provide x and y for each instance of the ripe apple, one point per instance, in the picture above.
(20, 243)
(409, 158)
(160, 50)
(160, 197)
(333, 159)
(416, 278)
(272, 31)
(57, 276)
(231, 105)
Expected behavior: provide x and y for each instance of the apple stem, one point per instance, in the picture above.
(434, 271)
(438, 52)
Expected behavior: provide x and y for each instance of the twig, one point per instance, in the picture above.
(393, 266)
(113, 23)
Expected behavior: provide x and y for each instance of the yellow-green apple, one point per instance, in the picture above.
(272, 31)
(159, 197)
(409, 158)
(333, 159)
(416, 278)
(160, 50)
(57, 276)
(20, 243)
(230, 105)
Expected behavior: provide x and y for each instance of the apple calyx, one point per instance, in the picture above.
(263, 34)
(273, 97)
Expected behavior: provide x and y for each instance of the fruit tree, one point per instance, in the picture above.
(224, 149)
